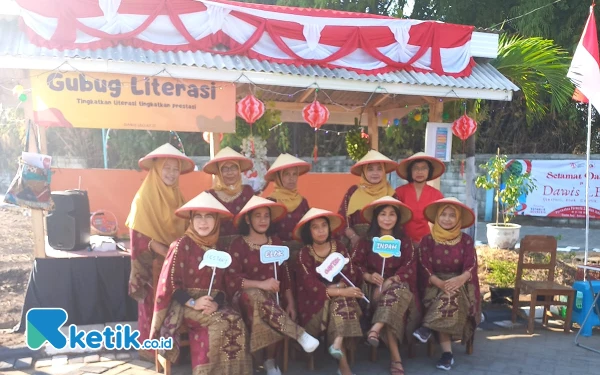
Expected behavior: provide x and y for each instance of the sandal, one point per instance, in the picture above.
(394, 370)
(373, 338)
(336, 353)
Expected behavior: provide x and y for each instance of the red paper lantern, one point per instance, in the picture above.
(315, 114)
(250, 109)
(206, 137)
(464, 127)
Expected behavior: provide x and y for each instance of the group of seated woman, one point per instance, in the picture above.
(432, 287)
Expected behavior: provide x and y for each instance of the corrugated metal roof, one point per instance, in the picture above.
(13, 42)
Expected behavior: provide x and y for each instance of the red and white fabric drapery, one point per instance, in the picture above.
(359, 42)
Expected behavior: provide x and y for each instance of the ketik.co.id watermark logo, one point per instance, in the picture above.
(43, 325)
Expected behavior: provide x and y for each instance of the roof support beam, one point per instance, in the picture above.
(305, 95)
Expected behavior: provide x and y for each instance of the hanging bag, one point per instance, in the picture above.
(31, 186)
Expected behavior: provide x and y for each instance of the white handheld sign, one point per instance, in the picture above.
(214, 259)
(387, 247)
(332, 266)
(274, 254)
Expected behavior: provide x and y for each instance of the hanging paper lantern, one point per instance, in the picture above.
(396, 122)
(18, 90)
(315, 114)
(464, 127)
(417, 117)
(385, 121)
(445, 116)
(22, 97)
(206, 137)
(250, 109)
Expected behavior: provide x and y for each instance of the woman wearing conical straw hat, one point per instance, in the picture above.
(153, 226)
(323, 306)
(227, 166)
(451, 299)
(267, 303)
(372, 169)
(395, 308)
(284, 173)
(216, 332)
(417, 170)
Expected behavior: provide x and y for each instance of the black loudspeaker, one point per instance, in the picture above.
(68, 225)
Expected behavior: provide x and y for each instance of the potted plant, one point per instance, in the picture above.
(509, 186)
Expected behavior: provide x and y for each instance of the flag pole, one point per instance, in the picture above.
(587, 186)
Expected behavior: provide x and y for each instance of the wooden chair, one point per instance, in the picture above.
(161, 362)
(546, 288)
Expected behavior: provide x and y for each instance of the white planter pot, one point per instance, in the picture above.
(503, 236)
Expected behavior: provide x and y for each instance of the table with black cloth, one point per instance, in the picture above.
(93, 290)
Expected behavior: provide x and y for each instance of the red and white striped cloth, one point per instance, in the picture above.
(359, 42)
(585, 66)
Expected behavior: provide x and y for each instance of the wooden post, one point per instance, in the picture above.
(436, 110)
(37, 216)
(373, 129)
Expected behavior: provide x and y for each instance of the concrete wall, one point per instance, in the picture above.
(452, 183)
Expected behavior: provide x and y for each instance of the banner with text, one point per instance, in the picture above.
(560, 188)
(72, 99)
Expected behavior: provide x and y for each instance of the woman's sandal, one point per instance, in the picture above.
(394, 370)
(373, 338)
(336, 353)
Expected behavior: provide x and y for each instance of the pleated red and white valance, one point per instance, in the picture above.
(359, 42)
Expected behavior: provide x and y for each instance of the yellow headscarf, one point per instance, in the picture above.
(153, 208)
(368, 192)
(219, 185)
(441, 235)
(290, 198)
(211, 239)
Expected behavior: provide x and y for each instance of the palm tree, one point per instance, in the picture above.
(539, 68)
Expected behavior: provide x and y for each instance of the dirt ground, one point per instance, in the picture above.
(16, 249)
(16, 254)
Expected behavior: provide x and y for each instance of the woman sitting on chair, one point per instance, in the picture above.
(153, 226)
(252, 285)
(327, 306)
(395, 302)
(451, 300)
(217, 333)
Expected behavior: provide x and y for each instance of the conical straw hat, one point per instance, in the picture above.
(278, 210)
(438, 166)
(405, 212)
(467, 215)
(285, 161)
(227, 154)
(203, 202)
(373, 157)
(167, 151)
(335, 220)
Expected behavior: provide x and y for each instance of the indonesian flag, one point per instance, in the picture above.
(585, 66)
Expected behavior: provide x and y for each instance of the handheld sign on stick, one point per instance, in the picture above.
(386, 247)
(332, 266)
(215, 259)
(274, 254)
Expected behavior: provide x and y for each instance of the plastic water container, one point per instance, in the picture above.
(583, 301)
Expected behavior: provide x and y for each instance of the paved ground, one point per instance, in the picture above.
(568, 238)
(497, 351)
